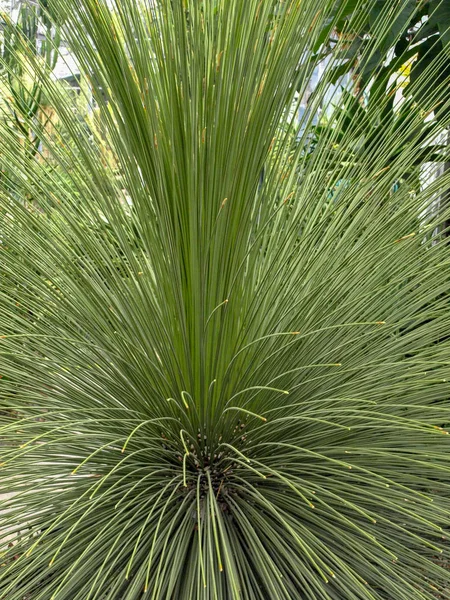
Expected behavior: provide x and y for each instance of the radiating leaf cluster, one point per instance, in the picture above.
(224, 331)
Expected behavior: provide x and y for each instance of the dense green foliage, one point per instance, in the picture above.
(22, 95)
(416, 28)
(223, 332)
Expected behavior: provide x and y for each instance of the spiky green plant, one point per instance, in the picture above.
(224, 368)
